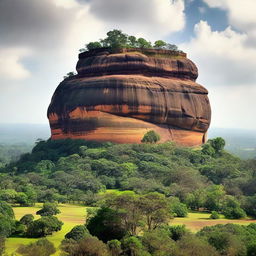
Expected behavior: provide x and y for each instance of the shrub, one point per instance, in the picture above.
(89, 246)
(207, 149)
(27, 219)
(232, 209)
(214, 215)
(93, 45)
(177, 232)
(158, 242)
(7, 226)
(117, 39)
(48, 209)
(191, 245)
(132, 246)
(106, 225)
(42, 247)
(179, 210)
(234, 213)
(115, 247)
(19, 229)
(44, 226)
(6, 210)
(151, 137)
(229, 239)
(78, 232)
(218, 144)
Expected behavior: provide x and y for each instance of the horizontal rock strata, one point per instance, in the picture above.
(120, 96)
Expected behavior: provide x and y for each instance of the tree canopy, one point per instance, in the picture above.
(151, 137)
(49, 209)
(117, 39)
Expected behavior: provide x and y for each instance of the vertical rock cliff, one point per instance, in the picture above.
(120, 96)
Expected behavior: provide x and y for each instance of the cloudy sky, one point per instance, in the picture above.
(40, 39)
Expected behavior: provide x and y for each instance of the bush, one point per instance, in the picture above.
(42, 247)
(48, 209)
(89, 246)
(218, 144)
(229, 239)
(106, 225)
(158, 242)
(234, 213)
(117, 39)
(207, 149)
(78, 232)
(93, 45)
(151, 137)
(7, 226)
(179, 210)
(177, 232)
(249, 205)
(214, 215)
(251, 249)
(232, 209)
(114, 247)
(132, 246)
(191, 245)
(6, 210)
(44, 226)
(27, 219)
(19, 229)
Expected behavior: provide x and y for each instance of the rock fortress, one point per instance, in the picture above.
(119, 95)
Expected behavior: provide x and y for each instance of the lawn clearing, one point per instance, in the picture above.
(71, 215)
(197, 220)
(114, 191)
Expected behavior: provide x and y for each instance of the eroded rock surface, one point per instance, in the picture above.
(120, 96)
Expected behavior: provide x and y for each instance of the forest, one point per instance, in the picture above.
(159, 182)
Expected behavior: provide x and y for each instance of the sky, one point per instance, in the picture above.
(40, 39)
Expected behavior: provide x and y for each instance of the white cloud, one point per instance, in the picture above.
(222, 56)
(149, 18)
(10, 63)
(228, 59)
(241, 13)
(68, 4)
(50, 32)
(40, 42)
(227, 69)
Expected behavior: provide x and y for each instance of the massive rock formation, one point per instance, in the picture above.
(120, 96)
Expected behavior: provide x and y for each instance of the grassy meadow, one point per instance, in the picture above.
(72, 215)
(197, 220)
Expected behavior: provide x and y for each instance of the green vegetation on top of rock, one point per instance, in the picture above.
(116, 39)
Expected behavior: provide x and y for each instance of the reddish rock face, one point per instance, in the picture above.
(120, 96)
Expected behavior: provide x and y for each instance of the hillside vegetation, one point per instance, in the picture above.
(159, 182)
(74, 170)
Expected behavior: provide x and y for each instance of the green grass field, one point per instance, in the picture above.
(197, 220)
(73, 215)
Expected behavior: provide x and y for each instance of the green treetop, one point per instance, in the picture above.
(117, 39)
